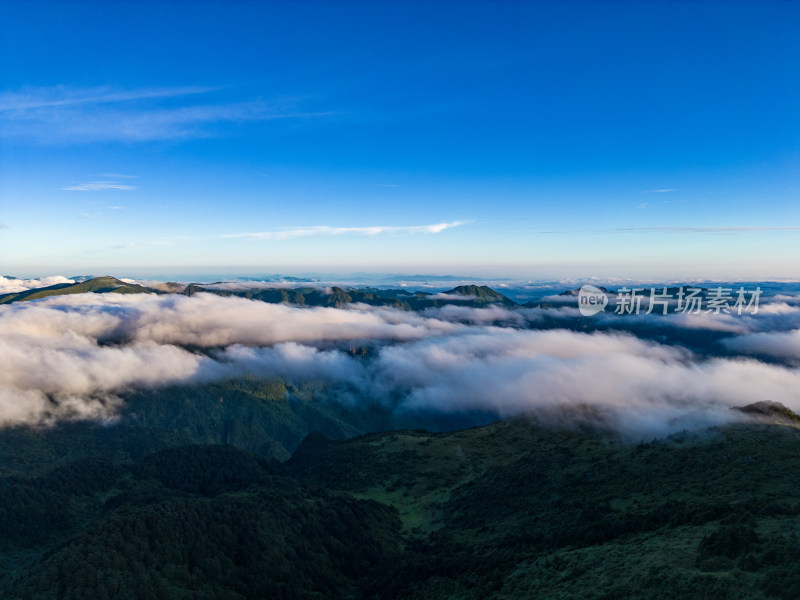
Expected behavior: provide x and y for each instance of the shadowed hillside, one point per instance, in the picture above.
(508, 510)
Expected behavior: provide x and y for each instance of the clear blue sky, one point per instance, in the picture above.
(633, 139)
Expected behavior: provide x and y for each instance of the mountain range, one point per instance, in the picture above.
(464, 295)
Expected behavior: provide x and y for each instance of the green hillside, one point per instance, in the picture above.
(481, 294)
(511, 509)
(473, 295)
(270, 417)
(508, 510)
(97, 285)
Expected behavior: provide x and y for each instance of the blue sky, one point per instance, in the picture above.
(530, 139)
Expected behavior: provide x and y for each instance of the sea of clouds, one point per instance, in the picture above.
(74, 357)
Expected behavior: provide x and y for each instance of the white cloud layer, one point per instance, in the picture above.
(70, 357)
(10, 285)
(782, 344)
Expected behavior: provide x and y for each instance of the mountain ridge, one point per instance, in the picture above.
(95, 285)
(334, 296)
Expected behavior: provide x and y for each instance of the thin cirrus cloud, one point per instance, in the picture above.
(97, 186)
(62, 114)
(657, 191)
(325, 230)
(51, 97)
(679, 230)
(739, 229)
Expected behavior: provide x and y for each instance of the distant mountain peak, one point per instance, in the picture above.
(770, 410)
(481, 293)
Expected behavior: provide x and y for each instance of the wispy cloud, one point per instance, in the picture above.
(664, 229)
(50, 97)
(743, 229)
(96, 186)
(657, 191)
(325, 230)
(69, 115)
(145, 243)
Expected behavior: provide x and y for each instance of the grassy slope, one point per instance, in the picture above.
(508, 510)
(98, 285)
(579, 514)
